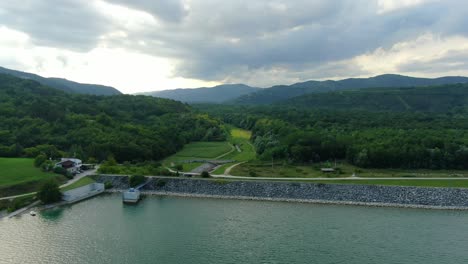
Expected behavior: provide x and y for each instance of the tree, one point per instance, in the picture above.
(205, 174)
(39, 160)
(179, 167)
(49, 192)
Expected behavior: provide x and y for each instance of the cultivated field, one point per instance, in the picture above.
(199, 150)
(239, 137)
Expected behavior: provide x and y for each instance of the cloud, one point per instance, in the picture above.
(392, 5)
(164, 10)
(260, 42)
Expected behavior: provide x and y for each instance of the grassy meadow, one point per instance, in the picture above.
(18, 175)
(239, 137)
(198, 151)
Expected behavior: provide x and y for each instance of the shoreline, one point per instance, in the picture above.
(291, 200)
(340, 194)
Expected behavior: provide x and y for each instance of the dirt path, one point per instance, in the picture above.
(228, 169)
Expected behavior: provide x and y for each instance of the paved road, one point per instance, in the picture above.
(336, 179)
(75, 179)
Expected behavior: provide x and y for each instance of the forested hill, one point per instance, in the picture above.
(37, 119)
(63, 84)
(443, 98)
(217, 94)
(284, 92)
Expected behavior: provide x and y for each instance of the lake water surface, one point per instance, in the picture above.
(194, 230)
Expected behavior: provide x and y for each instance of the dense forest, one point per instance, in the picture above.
(366, 128)
(35, 119)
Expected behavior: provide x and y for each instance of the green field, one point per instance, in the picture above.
(20, 170)
(215, 150)
(18, 175)
(241, 138)
(199, 150)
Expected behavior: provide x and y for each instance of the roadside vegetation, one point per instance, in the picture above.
(414, 183)
(17, 203)
(79, 183)
(110, 166)
(341, 169)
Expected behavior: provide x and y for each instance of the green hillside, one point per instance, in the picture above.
(36, 119)
(427, 99)
(217, 94)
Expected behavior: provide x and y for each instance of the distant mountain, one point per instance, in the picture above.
(63, 84)
(444, 98)
(217, 94)
(284, 92)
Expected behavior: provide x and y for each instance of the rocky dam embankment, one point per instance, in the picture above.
(372, 195)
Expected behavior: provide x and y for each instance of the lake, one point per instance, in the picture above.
(195, 230)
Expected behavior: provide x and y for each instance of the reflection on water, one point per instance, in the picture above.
(53, 214)
(185, 230)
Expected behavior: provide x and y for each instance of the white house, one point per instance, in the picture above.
(70, 164)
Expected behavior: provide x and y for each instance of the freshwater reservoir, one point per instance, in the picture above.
(195, 230)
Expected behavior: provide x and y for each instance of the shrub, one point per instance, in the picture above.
(136, 180)
(205, 174)
(69, 175)
(60, 170)
(39, 160)
(108, 185)
(252, 174)
(47, 165)
(161, 183)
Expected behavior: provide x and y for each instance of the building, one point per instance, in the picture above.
(131, 196)
(83, 192)
(70, 164)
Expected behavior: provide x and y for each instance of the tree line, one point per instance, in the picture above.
(372, 139)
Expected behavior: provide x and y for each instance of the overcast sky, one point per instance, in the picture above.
(145, 45)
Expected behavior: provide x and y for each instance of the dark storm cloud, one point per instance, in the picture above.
(216, 40)
(225, 40)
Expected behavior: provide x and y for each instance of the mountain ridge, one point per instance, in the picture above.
(216, 94)
(63, 84)
(283, 92)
